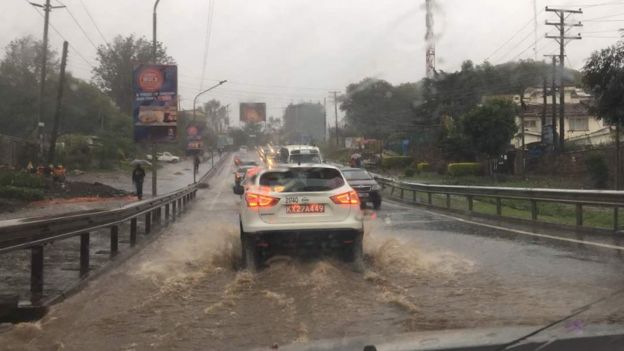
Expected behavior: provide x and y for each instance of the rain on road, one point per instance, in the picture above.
(424, 272)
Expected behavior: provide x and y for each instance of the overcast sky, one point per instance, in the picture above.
(282, 51)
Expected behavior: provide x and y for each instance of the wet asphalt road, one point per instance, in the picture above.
(425, 271)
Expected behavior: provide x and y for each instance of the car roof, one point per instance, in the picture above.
(286, 166)
(297, 147)
(352, 169)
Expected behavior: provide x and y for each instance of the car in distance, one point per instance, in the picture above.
(300, 154)
(303, 206)
(365, 185)
(239, 174)
(165, 157)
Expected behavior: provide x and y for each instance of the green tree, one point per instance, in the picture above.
(115, 63)
(490, 127)
(603, 75)
(19, 85)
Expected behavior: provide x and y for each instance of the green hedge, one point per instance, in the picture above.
(423, 167)
(464, 169)
(20, 193)
(396, 161)
(20, 179)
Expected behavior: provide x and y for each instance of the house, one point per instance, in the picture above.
(581, 127)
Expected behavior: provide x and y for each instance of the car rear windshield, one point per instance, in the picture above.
(303, 180)
(357, 175)
(305, 158)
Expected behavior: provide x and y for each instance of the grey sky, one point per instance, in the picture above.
(282, 51)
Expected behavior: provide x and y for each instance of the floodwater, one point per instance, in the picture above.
(423, 272)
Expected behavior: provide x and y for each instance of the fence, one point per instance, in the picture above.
(34, 233)
(606, 199)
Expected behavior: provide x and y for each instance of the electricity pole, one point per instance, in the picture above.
(561, 39)
(336, 114)
(59, 106)
(553, 91)
(44, 60)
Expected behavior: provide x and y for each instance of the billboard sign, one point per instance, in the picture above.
(155, 103)
(252, 112)
(194, 140)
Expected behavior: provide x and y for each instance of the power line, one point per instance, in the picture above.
(208, 35)
(512, 37)
(76, 51)
(94, 23)
(79, 25)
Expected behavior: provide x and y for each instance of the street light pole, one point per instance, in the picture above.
(154, 156)
(205, 91)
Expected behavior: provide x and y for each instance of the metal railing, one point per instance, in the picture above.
(578, 198)
(35, 233)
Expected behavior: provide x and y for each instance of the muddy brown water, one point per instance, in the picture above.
(187, 292)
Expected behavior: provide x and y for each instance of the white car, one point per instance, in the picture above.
(308, 205)
(165, 157)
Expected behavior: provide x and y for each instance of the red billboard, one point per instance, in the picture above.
(253, 112)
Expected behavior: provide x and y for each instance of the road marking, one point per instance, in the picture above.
(518, 231)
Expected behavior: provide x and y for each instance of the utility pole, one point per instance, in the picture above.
(44, 60)
(552, 93)
(544, 104)
(522, 109)
(336, 115)
(324, 119)
(59, 106)
(562, 39)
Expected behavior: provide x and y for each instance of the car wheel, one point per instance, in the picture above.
(354, 253)
(249, 253)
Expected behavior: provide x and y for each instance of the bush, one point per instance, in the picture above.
(423, 167)
(409, 172)
(20, 179)
(20, 193)
(598, 170)
(396, 161)
(464, 169)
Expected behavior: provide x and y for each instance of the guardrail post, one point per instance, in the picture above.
(114, 240)
(429, 199)
(156, 216)
(133, 231)
(470, 204)
(36, 272)
(148, 222)
(84, 254)
(579, 214)
(448, 200)
(616, 225)
(167, 212)
(392, 190)
(534, 210)
(499, 208)
(401, 193)
(414, 196)
(174, 209)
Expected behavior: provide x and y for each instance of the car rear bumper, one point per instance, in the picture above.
(306, 238)
(252, 223)
(369, 196)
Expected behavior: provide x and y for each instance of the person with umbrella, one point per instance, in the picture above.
(138, 175)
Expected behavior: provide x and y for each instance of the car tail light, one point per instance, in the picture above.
(258, 200)
(348, 198)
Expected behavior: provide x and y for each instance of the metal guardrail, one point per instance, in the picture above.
(35, 233)
(578, 198)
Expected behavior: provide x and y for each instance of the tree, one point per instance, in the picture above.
(603, 75)
(114, 72)
(490, 127)
(19, 85)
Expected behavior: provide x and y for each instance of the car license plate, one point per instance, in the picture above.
(361, 195)
(305, 208)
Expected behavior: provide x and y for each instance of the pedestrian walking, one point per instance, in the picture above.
(196, 164)
(138, 174)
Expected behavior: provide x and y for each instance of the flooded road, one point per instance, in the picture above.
(424, 271)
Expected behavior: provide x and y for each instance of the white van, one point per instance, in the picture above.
(300, 154)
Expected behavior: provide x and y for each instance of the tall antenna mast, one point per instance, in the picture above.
(430, 58)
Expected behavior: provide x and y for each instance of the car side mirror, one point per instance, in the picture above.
(238, 189)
